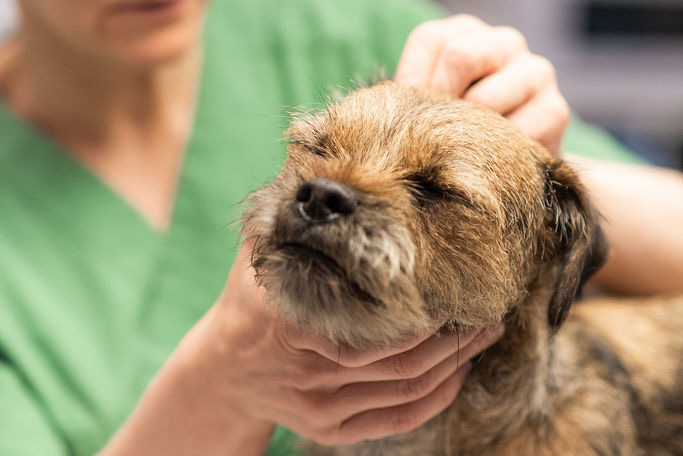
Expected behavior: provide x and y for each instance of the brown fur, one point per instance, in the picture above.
(458, 215)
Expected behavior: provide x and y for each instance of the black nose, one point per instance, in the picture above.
(323, 200)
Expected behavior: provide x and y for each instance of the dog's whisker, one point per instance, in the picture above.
(339, 347)
(457, 335)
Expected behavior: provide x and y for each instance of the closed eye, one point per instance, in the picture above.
(426, 191)
(315, 149)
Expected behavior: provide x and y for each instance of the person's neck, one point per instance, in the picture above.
(128, 124)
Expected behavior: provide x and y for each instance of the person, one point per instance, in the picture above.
(129, 130)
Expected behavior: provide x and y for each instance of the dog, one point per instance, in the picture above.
(396, 208)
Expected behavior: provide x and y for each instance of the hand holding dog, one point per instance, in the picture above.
(334, 395)
(241, 370)
(463, 57)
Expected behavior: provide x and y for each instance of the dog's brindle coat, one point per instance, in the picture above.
(395, 208)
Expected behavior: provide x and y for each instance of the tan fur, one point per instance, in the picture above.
(458, 215)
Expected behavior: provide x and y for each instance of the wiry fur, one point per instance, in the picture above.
(461, 216)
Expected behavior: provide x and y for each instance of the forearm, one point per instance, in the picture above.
(642, 210)
(182, 413)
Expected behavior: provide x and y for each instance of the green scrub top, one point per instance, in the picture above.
(92, 300)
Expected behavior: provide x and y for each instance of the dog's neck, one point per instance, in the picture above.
(508, 388)
(505, 391)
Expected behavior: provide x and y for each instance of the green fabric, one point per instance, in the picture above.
(587, 140)
(92, 301)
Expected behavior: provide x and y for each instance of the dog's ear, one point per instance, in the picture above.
(579, 243)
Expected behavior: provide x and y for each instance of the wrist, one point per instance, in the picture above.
(207, 369)
(191, 407)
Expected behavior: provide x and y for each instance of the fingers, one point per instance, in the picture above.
(448, 55)
(355, 398)
(535, 105)
(424, 46)
(466, 58)
(544, 118)
(336, 404)
(422, 358)
(321, 421)
(380, 423)
(528, 74)
(346, 356)
(315, 372)
(372, 410)
(316, 362)
(326, 410)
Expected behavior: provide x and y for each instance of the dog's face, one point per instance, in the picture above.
(396, 209)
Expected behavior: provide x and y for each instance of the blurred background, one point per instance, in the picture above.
(7, 17)
(619, 62)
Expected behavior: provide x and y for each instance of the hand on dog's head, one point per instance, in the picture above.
(397, 208)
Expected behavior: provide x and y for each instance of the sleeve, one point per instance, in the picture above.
(24, 428)
(590, 141)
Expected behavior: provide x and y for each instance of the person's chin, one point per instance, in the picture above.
(155, 48)
(149, 37)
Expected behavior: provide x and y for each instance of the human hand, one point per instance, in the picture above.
(463, 57)
(241, 370)
(274, 372)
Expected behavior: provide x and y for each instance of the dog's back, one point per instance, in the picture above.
(638, 345)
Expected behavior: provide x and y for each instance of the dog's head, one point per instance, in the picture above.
(396, 209)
